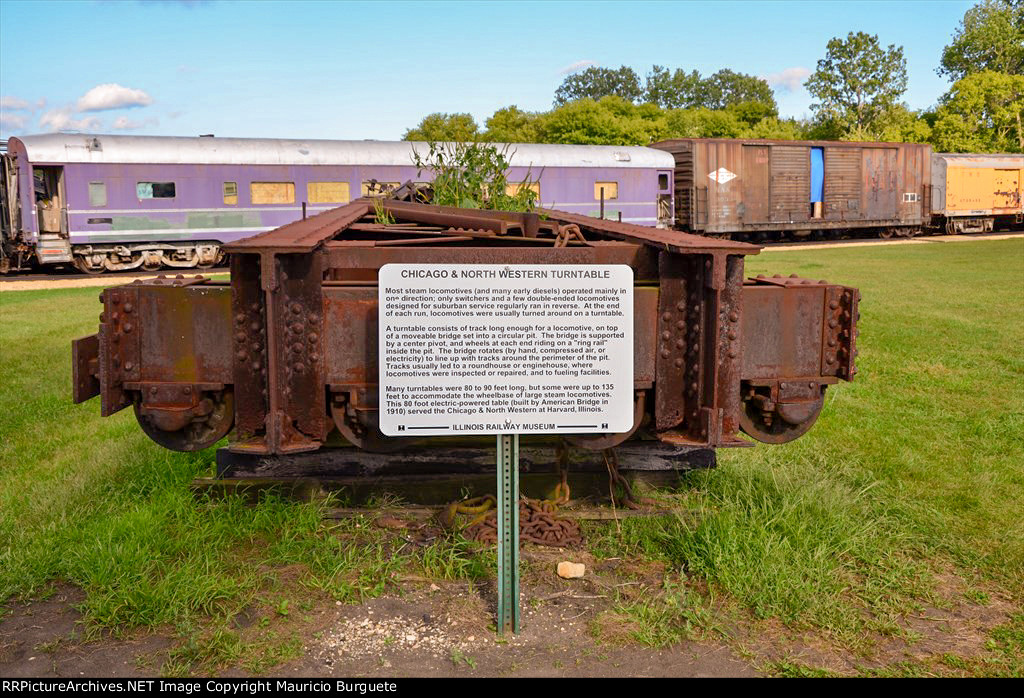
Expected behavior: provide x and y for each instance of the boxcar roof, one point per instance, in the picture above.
(768, 141)
(75, 148)
(983, 160)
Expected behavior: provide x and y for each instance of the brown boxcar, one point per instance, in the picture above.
(747, 188)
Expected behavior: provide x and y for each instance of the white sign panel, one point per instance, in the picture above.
(722, 175)
(503, 349)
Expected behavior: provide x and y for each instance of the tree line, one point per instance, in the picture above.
(857, 89)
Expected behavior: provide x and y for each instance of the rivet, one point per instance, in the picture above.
(254, 326)
(312, 337)
(180, 276)
(256, 346)
(681, 305)
(103, 318)
(810, 385)
(188, 389)
(101, 298)
(115, 315)
(831, 342)
(793, 276)
(830, 359)
(679, 363)
(300, 367)
(833, 304)
(152, 391)
(664, 353)
(731, 335)
(734, 316)
(255, 365)
(666, 335)
(822, 282)
(833, 323)
(241, 355)
(127, 307)
(254, 307)
(680, 343)
(693, 386)
(127, 327)
(782, 385)
(128, 365)
(240, 336)
(733, 353)
(240, 318)
(666, 317)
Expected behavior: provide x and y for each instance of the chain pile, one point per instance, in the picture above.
(538, 523)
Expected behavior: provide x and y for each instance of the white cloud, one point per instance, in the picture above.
(63, 120)
(13, 121)
(578, 65)
(8, 102)
(789, 80)
(112, 96)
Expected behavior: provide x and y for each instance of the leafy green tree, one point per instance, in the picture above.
(726, 88)
(608, 121)
(702, 123)
(773, 128)
(990, 37)
(982, 114)
(896, 124)
(751, 113)
(672, 90)
(512, 125)
(857, 81)
(444, 127)
(596, 82)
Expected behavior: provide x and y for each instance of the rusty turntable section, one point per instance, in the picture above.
(283, 359)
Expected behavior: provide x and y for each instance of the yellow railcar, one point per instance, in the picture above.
(977, 193)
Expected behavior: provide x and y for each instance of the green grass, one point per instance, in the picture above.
(912, 477)
(914, 469)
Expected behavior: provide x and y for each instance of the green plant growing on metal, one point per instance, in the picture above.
(474, 175)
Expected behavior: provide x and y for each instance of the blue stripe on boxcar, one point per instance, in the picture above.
(817, 174)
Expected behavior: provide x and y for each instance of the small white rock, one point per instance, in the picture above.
(571, 570)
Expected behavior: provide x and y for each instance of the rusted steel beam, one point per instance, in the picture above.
(285, 357)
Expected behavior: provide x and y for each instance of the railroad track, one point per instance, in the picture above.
(111, 278)
(74, 275)
(863, 242)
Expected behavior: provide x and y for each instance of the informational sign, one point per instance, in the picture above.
(505, 349)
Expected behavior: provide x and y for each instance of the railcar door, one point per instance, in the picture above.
(879, 183)
(49, 197)
(756, 178)
(1006, 193)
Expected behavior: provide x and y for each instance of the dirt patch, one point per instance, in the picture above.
(46, 638)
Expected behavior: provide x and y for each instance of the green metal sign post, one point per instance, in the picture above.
(508, 533)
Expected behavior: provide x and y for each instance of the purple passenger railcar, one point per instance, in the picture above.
(125, 202)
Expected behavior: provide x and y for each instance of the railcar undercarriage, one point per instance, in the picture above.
(283, 358)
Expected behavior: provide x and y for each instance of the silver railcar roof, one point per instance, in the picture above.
(997, 160)
(82, 148)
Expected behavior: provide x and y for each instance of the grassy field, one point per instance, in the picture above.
(906, 496)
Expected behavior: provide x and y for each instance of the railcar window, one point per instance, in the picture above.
(97, 193)
(155, 190)
(230, 193)
(512, 188)
(272, 192)
(375, 188)
(327, 192)
(611, 190)
(662, 182)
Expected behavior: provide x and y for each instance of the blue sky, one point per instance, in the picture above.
(372, 70)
